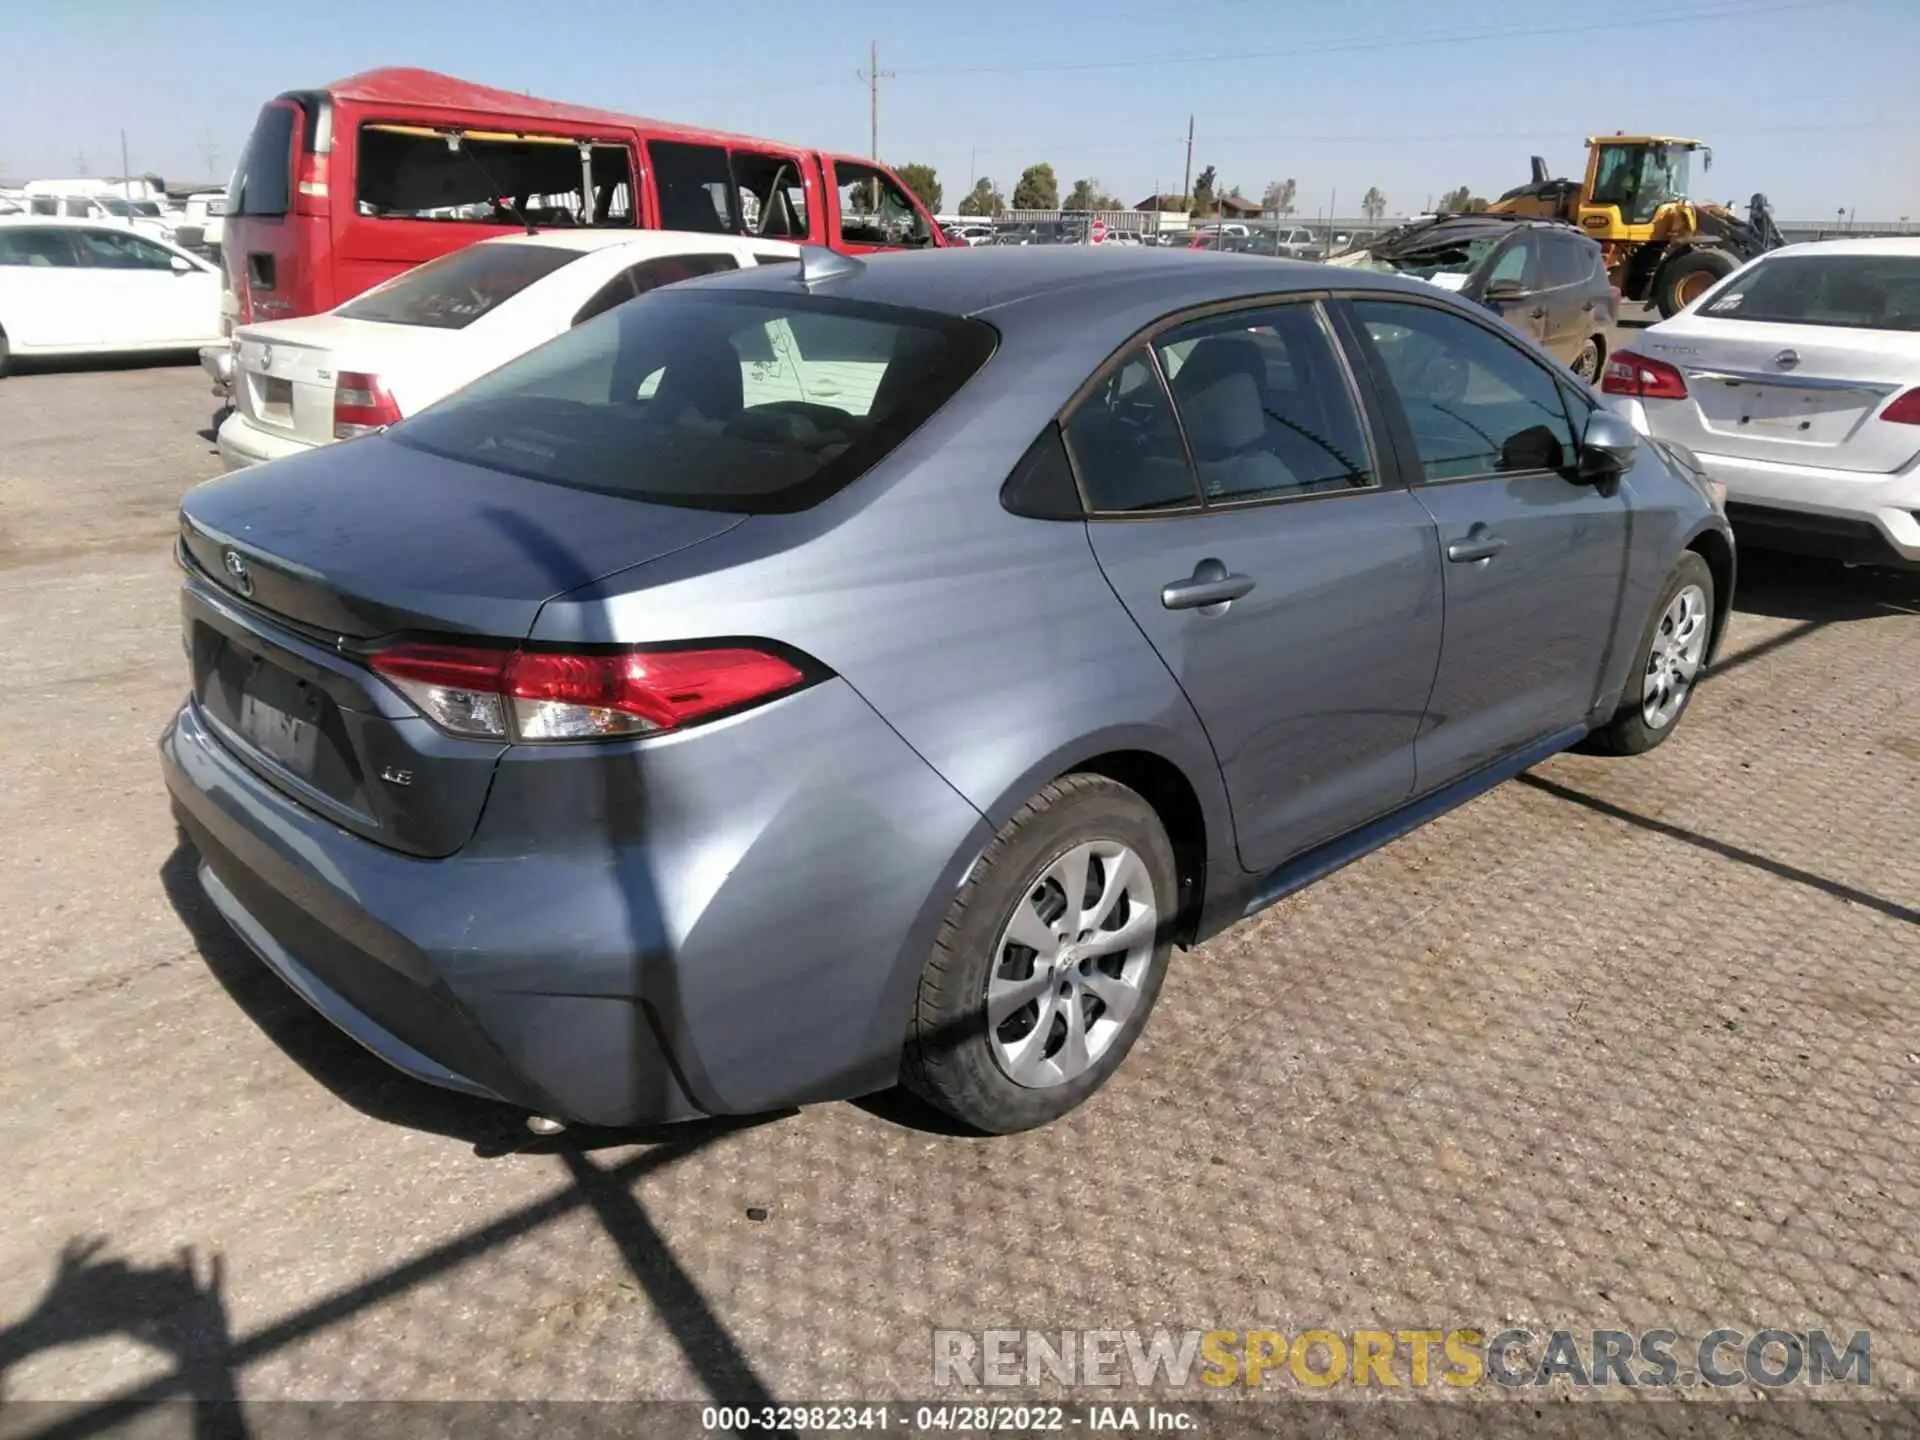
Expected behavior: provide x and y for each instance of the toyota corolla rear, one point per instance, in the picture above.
(583, 878)
(1797, 384)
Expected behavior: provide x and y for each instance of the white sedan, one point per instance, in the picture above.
(74, 287)
(422, 335)
(1796, 383)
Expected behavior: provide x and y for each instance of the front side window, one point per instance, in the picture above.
(121, 250)
(1516, 265)
(740, 401)
(874, 210)
(37, 249)
(457, 289)
(1866, 292)
(1266, 405)
(1126, 445)
(695, 186)
(637, 280)
(408, 172)
(1475, 402)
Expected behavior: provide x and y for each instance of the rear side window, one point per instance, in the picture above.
(695, 187)
(454, 291)
(739, 401)
(1476, 403)
(1867, 292)
(263, 181)
(648, 275)
(1565, 261)
(1126, 445)
(406, 172)
(1266, 405)
(36, 248)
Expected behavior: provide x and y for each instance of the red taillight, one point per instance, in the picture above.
(1631, 374)
(1905, 410)
(361, 405)
(572, 695)
(310, 186)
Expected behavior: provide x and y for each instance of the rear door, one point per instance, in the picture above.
(46, 297)
(1291, 587)
(1793, 359)
(1566, 271)
(1535, 562)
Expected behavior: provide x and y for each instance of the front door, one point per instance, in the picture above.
(1534, 560)
(145, 302)
(1518, 264)
(1292, 590)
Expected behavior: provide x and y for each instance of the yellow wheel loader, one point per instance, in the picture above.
(1660, 246)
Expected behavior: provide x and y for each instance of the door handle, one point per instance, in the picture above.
(1538, 312)
(1210, 590)
(1480, 544)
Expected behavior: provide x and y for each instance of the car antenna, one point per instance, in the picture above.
(819, 265)
(455, 143)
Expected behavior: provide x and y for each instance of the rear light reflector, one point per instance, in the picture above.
(495, 694)
(361, 405)
(1905, 410)
(1631, 374)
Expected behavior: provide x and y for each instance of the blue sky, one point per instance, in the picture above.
(1811, 101)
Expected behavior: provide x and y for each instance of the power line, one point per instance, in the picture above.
(1718, 11)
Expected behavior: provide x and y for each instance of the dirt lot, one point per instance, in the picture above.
(1624, 1044)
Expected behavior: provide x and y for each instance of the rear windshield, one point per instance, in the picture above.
(454, 291)
(717, 400)
(263, 181)
(1866, 292)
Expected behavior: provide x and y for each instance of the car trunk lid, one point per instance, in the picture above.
(299, 571)
(286, 372)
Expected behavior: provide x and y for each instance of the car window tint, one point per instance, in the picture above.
(119, 250)
(1266, 405)
(1870, 292)
(37, 248)
(1564, 261)
(1126, 446)
(1476, 403)
(712, 399)
(651, 275)
(1514, 263)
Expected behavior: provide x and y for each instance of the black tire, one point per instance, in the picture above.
(1590, 360)
(949, 1058)
(1629, 732)
(6, 353)
(1673, 286)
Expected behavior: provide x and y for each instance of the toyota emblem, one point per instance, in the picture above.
(238, 571)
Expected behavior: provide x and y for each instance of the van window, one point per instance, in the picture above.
(711, 397)
(454, 291)
(263, 182)
(773, 196)
(695, 187)
(408, 172)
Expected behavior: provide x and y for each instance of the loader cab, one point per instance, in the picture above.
(1629, 178)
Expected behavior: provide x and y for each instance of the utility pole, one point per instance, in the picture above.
(80, 163)
(126, 180)
(873, 75)
(211, 153)
(1186, 183)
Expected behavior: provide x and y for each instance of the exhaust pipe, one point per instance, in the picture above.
(545, 1125)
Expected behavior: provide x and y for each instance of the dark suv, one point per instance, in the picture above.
(1545, 279)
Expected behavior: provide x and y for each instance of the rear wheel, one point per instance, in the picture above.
(1686, 277)
(1672, 654)
(6, 352)
(1049, 960)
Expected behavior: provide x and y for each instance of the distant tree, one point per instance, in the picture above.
(922, 181)
(983, 199)
(1475, 203)
(1455, 199)
(1203, 184)
(1373, 204)
(1087, 195)
(1037, 190)
(1278, 199)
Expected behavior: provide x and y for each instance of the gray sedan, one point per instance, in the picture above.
(804, 680)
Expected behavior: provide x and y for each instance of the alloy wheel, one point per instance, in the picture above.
(1679, 648)
(1070, 962)
(1586, 365)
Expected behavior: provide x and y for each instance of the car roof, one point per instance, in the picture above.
(1865, 245)
(646, 242)
(1092, 281)
(66, 222)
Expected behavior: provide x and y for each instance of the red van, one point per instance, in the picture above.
(342, 187)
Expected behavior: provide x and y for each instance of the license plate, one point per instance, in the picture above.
(292, 740)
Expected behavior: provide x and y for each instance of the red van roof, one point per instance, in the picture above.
(430, 89)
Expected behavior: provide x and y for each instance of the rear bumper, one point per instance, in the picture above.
(745, 939)
(242, 443)
(1844, 514)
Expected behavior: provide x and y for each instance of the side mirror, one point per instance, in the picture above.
(181, 266)
(1608, 447)
(1503, 290)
